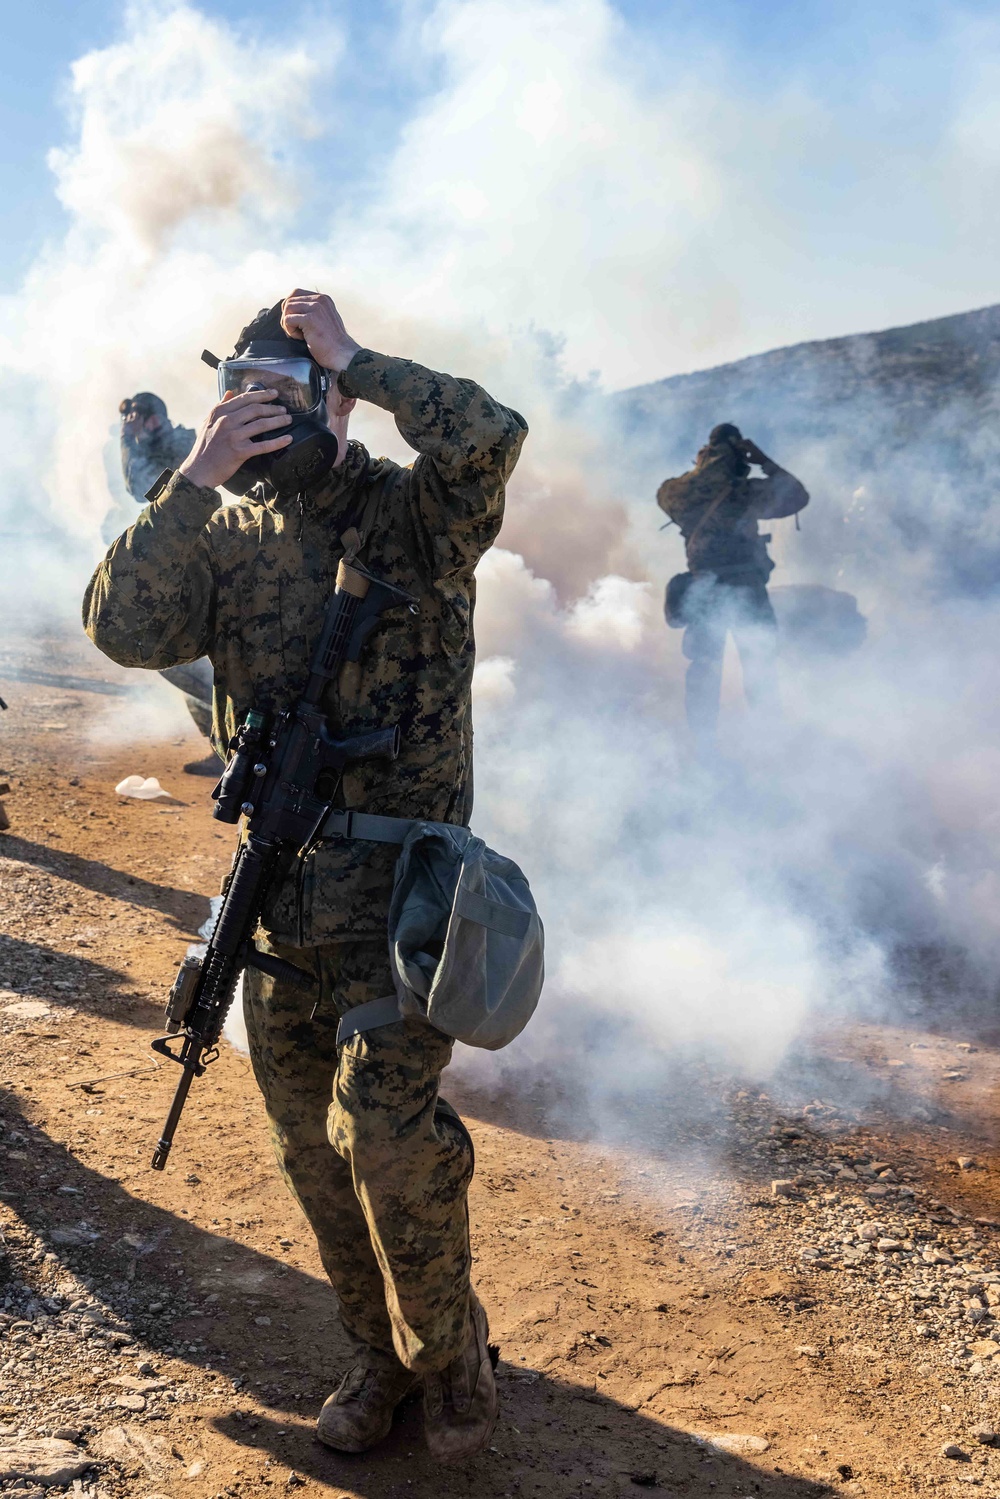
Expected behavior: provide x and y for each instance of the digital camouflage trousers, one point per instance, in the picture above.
(381, 1171)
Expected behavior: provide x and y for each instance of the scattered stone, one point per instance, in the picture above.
(129, 1402)
(953, 1450)
(66, 1434)
(966, 1163)
(846, 1471)
(27, 1009)
(986, 1348)
(644, 1480)
(132, 1448)
(735, 1442)
(888, 1246)
(195, 1470)
(985, 1435)
(48, 1460)
(784, 1188)
(295, 1481)
(877, 1191)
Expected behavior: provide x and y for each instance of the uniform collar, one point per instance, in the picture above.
(332, 491)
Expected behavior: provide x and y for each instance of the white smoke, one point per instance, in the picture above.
(545, 211)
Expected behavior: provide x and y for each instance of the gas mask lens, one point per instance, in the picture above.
(300, 383)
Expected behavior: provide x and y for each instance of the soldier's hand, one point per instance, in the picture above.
(753, 453)
(311, 315)
(225, 440)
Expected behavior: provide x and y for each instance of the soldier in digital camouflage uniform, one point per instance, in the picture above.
(717, 507)
(150, 442)
(248, 586)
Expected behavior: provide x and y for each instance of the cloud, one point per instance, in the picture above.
(555, 203)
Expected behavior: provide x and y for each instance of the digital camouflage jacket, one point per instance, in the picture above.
(248, 586)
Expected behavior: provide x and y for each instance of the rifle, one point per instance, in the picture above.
(283, 777)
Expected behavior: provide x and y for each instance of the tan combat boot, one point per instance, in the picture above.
(461, 1402)
(359, 1412)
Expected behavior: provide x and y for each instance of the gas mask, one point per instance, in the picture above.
(267, 359)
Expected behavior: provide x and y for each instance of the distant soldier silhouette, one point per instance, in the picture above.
(717, 506)
(150, 443)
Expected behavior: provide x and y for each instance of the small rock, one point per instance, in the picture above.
(195, 1470)
(129, 1402)
(985, 1435)
(888, 1246)
(877, 1191)
(870, 1232)
(845, 1470)
(48, 1460)
(783, 1188)
(953, 1450)
(262, 1321)
(145, 1367)
(66, 1434)
(808, 1350)
(736, 1442)
(645, 1480)
(294, 1481)
(966, 1163)
(986, 1348)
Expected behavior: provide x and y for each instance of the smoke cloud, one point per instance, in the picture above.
(545, 212)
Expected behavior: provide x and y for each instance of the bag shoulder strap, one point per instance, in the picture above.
(355, 538)
(706, 517)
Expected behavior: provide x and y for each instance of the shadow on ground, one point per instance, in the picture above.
(215, 1296)
(182, 907)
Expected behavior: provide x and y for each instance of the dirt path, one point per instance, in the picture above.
(834, 1330)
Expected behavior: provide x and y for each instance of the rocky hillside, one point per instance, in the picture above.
(896, 434)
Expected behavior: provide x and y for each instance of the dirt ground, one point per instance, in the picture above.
(788, 1297)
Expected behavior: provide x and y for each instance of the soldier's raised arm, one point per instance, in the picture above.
(151, 602)
(468, 442)
(779, 493)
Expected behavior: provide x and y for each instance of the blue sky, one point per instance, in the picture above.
(858, 194)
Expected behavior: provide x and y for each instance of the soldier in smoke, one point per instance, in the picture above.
(717, 507)
(380, 1165)
(150, 443)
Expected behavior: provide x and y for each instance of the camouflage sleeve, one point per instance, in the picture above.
(777, 496)
(151, 602)
(468, 445)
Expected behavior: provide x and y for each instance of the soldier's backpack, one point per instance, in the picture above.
(674, 599)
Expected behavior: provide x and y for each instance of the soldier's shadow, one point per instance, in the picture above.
(552, 1439)
(181, 907)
